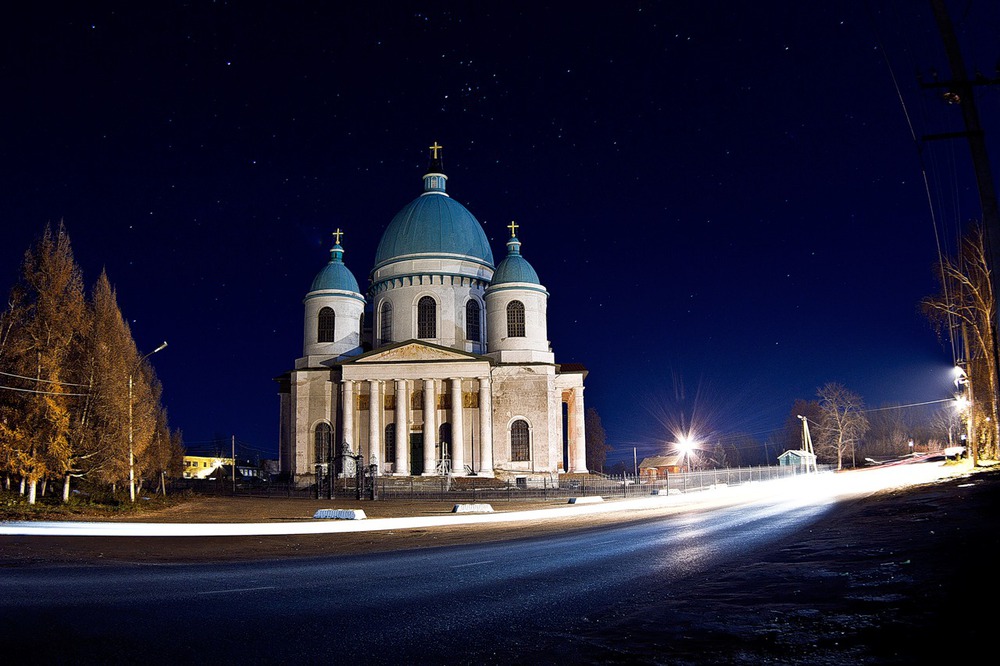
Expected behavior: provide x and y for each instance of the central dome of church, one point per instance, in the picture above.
(434, 224)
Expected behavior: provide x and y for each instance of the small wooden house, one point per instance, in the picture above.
(797, 458)
(657, 467)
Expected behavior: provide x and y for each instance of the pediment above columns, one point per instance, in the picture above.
(414, 359)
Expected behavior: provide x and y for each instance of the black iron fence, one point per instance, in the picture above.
(482, 489)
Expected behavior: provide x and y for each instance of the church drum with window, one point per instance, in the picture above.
(456, 375)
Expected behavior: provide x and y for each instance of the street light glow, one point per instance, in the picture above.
(685, 444)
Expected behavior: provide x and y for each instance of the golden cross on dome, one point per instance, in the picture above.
(435, 148)
(336, 235)
(512, 226)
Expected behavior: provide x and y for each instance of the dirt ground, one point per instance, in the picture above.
(905, 577)
(900, 577)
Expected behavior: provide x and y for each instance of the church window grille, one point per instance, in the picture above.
(520, 449)
(324, 443)
(390, 443)
(426, 318)
(325, 331)
(515, 319)
(472, 321)
(385, 332)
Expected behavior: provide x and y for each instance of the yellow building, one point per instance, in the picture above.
(200, 467)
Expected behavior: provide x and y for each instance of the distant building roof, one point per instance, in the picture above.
(661, 461)
(797, 457)
(798, 453)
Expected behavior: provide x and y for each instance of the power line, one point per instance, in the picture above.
(47, 381)
(22, 390)
(913, 404)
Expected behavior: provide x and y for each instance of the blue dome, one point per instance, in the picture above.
(434, 223)
(335, 275)
(514, 267)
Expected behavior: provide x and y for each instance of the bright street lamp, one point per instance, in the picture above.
(963, 403)
(131, 455)
(686, 445)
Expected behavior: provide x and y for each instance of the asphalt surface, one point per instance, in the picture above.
(836, 577)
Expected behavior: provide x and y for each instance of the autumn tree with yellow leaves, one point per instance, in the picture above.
(65, 363)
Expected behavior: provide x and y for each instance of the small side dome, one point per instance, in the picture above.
(514, 267)
(335, 275)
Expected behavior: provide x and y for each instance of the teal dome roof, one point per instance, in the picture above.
(434, 223)
(335, 275)
(514, 267)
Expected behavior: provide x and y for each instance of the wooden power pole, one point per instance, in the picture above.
(959, 90)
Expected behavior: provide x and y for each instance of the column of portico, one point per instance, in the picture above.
(347, 400)
(579, 442)
(457, 429)
(402, 465)
(485, 427)
(430, 427)
(374, 423)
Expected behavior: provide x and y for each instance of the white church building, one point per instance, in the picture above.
(452, 374)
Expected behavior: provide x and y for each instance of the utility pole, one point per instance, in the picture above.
(959, 91)
(807, 445)
(234, 464)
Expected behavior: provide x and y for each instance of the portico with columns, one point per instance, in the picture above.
(430, 410)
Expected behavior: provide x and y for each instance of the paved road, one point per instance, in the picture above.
(515, 601)
(488, 603)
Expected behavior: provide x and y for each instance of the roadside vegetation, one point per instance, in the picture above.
(79, 403)
(98, 505)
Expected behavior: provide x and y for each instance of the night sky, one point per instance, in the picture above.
(725, 202)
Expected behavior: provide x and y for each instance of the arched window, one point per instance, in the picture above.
(390, 443)
(426, 318)
(472, 326)
(324, 443)
(515, 319)
(385, 323)
(520, 449)
(325, 333)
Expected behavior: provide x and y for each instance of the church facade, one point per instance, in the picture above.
(454, 376)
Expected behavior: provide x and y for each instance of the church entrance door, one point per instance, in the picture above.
(416, 453)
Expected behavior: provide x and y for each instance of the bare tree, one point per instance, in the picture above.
(889, 434)
(946, 425)
(966, 301)
(842, 424)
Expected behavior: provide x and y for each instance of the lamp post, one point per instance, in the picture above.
(686, 445)
(965, 403)
(131, 454)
